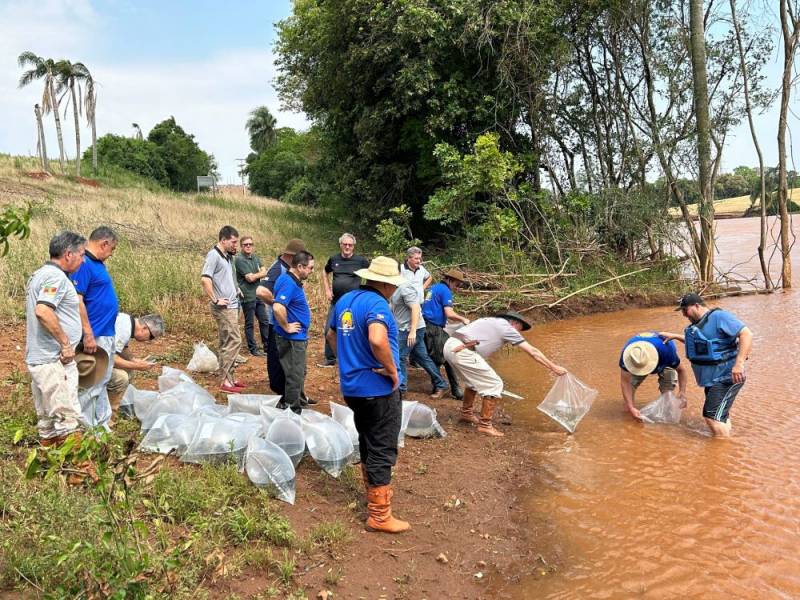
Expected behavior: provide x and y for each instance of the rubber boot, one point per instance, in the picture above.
(379, 511)
(487, 412)
(467, 413)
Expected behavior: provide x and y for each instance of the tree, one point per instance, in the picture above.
(261, 128)
(45, 69)
(137, 131)
(69, 77)
(41, 145)
(137, 156)
(90, 103)
(183, 159)
(277, 169)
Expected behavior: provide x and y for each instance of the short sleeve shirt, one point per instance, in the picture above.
(344, 269)
(722, 325)
(289, 293)
(351, 318)
(403, 298)
(667, 351)
(93, 282)
(437, 298)
(246, 265)
(219, 268)
(417, 278)
(123, 332)
(49, 285)
(491, 333)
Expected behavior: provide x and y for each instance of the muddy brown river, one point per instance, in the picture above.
(626, 510)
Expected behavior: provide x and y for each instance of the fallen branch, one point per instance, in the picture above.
(594, 285)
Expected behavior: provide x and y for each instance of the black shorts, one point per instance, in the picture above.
(719, 399)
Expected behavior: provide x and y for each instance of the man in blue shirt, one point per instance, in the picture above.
(98, 308)
(292, 320)
(717, 344)
(363, 333)
(646, 354)
(438, 310)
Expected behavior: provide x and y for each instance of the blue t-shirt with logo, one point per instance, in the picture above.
(721, 325)
(351, 318)
(667, 351)
(93, 282)
(289, 292)
(438, 296)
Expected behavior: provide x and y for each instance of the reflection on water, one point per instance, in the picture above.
(623, 510)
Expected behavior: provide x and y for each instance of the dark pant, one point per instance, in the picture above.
(377, 421)
(277, 379)
(255, 308)
(420, 353)
(435, 337)
(292, 355)
(330, 355)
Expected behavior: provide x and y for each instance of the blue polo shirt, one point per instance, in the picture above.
(667, 351)
(351, 318)
(438, 296)
(93, 282)
(289, 292)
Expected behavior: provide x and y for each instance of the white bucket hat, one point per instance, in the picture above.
(640, 358)
(384, 269)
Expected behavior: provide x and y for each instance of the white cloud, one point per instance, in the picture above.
(209, 98)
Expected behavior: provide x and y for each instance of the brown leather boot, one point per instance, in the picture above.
(487, 412)
(379, 511)
(467, 413)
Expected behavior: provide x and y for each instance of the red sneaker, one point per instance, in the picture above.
(240, 384)
(230, 389)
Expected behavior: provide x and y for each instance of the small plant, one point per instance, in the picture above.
(286, 568)
(333, 576)
(329, 535)
(394, 232)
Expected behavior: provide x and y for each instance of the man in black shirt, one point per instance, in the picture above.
(343, 267)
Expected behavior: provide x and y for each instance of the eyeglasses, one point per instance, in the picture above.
(348, 245)
(247, 244)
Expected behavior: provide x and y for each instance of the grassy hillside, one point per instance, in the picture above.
(733, 207)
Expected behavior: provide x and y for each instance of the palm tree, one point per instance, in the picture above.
(90, 103)
(41, 146)
(261, 127)
(137, 131)
(70, 76)
(43, 68)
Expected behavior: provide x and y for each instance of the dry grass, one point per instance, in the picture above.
(164, 235)
(734, 207)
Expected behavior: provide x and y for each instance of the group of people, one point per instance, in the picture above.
(77, 339)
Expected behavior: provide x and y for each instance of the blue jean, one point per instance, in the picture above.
(420, 355)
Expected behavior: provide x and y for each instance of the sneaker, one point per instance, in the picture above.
(257, 352)
(230, 389)
(326, 364)
(438, 394)
(240, 384)
(240, 360)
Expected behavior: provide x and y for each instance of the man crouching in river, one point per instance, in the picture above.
(717, 344)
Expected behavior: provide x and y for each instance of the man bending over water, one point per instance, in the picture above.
(717, 344)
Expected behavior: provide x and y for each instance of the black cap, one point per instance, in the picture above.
(510, 314)
(689, 299)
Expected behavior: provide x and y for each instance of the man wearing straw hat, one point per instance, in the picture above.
(646, 354)
(438, 310)
(364, 336)
(467, 352)
(52, 314)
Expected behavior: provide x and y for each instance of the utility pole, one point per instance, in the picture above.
(242, 162)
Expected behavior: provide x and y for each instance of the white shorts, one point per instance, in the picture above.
(55, 398)
(473, 369)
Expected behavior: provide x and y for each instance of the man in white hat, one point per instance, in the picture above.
(363, 333)
(644, 354)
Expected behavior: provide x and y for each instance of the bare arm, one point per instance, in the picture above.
(327, 286)
(251, 277)
(454, 316)
(539, 357)
(47, 317)
(412, 327)
(279, 311)
(208, 288)
(379, 343)
(745, 345)
(667, 336)
(89, 343)
(263, 294)
(427, 283)
(628, 393)
(133, 364)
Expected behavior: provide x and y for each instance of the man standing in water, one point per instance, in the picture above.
(646, 354)
(717, 344)
(467, 351)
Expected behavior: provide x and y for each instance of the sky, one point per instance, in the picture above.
(207, 63)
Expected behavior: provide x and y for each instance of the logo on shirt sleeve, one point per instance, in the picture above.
(283, 296)
(49, 291)
(380, 316)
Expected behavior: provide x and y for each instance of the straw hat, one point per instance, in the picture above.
(91, 367)
(294, 246)
(516, 316)
(640, 358)
(384, 269)
(456, 275)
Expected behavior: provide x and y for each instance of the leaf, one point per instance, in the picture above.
(18, 435)
(32, 464)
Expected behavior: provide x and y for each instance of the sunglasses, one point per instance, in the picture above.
(247, 244)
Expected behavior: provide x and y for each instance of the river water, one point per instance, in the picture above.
(624, 510)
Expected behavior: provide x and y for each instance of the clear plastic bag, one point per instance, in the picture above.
(218, 440)
(203, 360)
(270, 468)
(664, 409)
(141, 400)
(344, 416)
(408, 408)
(250, 403)
(170, 377)
(285, 431)
(183, 399)
(170, 433)
(422, 423)
(328, 443)
(568, 401)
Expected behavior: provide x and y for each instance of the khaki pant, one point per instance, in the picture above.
(230, 339)
(473, 369)
(120, 378)
(55, 398)
(667, 380)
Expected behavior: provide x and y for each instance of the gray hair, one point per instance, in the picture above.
(102, 234)
(155, 323)
(65, 241)
(346, 236)
(413, 250)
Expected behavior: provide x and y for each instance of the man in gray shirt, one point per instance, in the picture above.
(411, 338)
(219, 284)
(52, 312)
